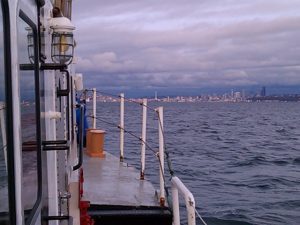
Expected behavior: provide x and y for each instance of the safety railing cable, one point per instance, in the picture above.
(199, 216)
(166, 152)
(133, 135)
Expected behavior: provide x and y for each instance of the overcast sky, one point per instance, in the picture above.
(149, 44)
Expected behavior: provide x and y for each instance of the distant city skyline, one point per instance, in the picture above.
(173, 92)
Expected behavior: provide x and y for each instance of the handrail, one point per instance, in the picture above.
(161, 155)
(121, 127)
(81, 127)
(178, 186)
(143, 139)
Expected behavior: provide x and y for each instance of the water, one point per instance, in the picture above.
(240, 160)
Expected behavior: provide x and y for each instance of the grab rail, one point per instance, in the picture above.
(178, 186)
(81, 132)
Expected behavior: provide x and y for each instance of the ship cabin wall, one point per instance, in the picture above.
(37, 115)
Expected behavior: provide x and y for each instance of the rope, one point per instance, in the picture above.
(199, 216)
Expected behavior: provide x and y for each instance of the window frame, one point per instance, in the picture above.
(9, 111)
(35, 212)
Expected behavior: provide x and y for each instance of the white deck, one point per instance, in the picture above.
(109, 182)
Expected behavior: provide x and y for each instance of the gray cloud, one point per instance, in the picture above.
(188, 43)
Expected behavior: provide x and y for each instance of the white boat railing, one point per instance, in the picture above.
(179, 187)
(143, 138)
(161, 155)
(94, 107)
(121, 126)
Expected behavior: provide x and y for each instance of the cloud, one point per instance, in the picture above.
(202, 43)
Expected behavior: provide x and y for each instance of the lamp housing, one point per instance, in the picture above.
(30, 44)
(62, 46)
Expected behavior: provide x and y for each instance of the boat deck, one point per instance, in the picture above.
(109, 182)
(117, 195)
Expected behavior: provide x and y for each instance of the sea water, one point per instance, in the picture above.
(240, 160)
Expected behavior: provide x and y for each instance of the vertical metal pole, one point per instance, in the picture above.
(143, 139)
(161, 155)
(94, 107)
(3, 131)
(121, 127)
(175, 202)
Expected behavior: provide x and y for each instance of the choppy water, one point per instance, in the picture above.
(240, 160)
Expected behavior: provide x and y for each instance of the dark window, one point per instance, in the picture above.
(4, 207)
(28, 117)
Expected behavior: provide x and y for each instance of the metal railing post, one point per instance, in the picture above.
(178, 186)
(175, 202)
(143, 139)
(121, 127)
(94, 107)
(161, 155)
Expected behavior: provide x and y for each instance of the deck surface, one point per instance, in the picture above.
(109, 182)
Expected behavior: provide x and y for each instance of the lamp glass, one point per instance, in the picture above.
(30, 46)
(62, 47)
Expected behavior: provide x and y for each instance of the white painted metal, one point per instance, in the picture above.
(61, 24)
(78, 80)
(143, 138)
(161, 153)
(121, 127)
(175, 202)
(178, 186)
(94, 107)
(3, 131)
(50, 122)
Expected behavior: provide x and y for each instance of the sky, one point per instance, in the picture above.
(146, 45)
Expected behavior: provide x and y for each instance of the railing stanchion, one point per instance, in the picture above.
(178, 186)
(161, 155)
(143, 139)
(175, 202)
(94, 107)
(121, 127)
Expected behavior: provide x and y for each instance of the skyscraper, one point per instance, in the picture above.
(263, 91)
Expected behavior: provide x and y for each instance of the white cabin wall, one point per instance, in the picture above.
(50, 123)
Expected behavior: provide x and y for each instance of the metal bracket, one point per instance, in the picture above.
(55, 145)
(59, 218)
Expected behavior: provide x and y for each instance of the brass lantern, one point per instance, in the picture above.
(62, 46)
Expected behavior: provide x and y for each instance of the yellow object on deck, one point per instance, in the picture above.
(95, 143)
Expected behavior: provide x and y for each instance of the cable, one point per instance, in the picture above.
(135, 136)
(166, 152)
(199, 216)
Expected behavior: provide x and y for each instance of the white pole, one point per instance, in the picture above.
(3, 131)
(175, 202)
(161, 155)
(121, 127)
(94, 107)
(143, 150)
(189, 200)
